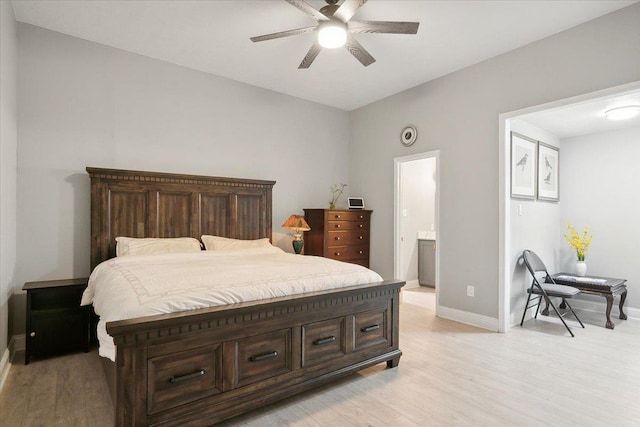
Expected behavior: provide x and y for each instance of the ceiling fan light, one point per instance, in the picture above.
(623, 113)
(332, 35)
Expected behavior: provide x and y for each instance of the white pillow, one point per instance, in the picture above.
(216, 243)
(132, 246)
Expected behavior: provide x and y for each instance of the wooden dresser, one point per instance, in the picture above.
(338, 234)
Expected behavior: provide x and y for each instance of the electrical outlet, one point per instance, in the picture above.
(471, 290)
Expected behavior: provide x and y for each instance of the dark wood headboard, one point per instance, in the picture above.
(152, 204)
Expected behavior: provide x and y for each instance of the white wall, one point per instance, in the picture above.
(84, 104)
(539, 228)
(417, 180)
(458, 114)
(8, 171)
(600, 176)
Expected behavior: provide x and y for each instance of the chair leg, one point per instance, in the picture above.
(538, 306)
(558, 314)
(573, 312)
(526, 307)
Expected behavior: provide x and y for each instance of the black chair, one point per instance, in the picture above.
(547, 289)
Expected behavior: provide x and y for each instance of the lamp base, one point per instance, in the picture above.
(297, 246)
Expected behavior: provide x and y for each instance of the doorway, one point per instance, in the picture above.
(415, 226)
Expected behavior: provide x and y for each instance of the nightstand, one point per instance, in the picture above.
(56, 323)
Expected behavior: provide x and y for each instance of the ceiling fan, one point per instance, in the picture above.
(335, 29)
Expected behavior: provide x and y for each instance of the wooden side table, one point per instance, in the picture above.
(56, 322)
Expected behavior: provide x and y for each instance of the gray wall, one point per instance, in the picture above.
(539, 228)
(84, 104)
(8, 159)
(458, 114)
(599, 175)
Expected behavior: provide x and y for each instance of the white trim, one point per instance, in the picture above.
(4, 367)
(396, 214)
(411, 284)
(504, 211)
(601, 307)
(468, 318)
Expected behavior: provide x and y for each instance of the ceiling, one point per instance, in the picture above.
(586, 117)
(213, 36)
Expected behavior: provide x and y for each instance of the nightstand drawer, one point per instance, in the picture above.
(57, 298)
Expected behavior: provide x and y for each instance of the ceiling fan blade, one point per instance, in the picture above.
(358, 51)
(310, 56)
(388, 27)
(348, 9)
(282, 34)
(307, 8)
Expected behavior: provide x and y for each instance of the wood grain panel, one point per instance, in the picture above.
(173, 215)
(250, 215)
(128, 213)
(214, 214)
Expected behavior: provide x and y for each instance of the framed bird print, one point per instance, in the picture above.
(523, 166)
(548, 172)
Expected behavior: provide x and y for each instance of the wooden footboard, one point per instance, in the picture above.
(200, 367)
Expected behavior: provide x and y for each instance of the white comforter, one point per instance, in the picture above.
(136, 286)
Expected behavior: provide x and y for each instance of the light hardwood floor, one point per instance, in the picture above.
(450, 375)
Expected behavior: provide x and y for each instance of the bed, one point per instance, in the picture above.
(204, 365)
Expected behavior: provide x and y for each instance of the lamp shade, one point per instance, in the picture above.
(296, 223)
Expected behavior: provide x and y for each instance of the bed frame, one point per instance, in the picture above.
(200, 367)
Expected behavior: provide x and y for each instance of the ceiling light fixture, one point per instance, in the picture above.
(332, 34)
(623, 113)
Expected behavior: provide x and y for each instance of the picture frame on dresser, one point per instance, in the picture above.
(523, 166)
(548, 172)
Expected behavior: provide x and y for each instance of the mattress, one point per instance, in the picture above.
(136, 286)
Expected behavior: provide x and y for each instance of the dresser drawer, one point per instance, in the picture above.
(347, 225)
(263, 356)
(348, 253)
(346, 216)
(348, 238)
(323, 341)
(183, 377)
(371, 329)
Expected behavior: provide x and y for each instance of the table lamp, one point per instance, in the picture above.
(298, 225)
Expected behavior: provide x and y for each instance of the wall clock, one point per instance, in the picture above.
(408, 136)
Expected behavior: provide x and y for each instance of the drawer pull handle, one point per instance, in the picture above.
(360, 252)
(370, 328)
(263, 356)
(337, 225)
(361, 225)
(361, 237)
(361, 216)
(32, 334)
(337, 216)
(337, 238)
(337, 253)
(176, 380)
(326, 340)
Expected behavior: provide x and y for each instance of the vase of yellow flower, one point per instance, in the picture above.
(580, 243)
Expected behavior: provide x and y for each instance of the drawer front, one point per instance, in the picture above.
(56, 298)
(371, 329)
(323, 341)
(347, 216)
(348, 253)
(347, 225)
(263, 356)
(347, 238)
(183, 377)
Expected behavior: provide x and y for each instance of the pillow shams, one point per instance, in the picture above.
(133, 246)
(216, 243)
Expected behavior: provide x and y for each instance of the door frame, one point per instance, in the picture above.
(397, 162)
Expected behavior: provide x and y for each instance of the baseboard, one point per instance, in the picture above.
(582, 304)
(473, 319)
(4, 367)
(411, 284)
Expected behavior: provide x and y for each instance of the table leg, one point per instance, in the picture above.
(623, 297)
(545, 311)
(609, 323)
